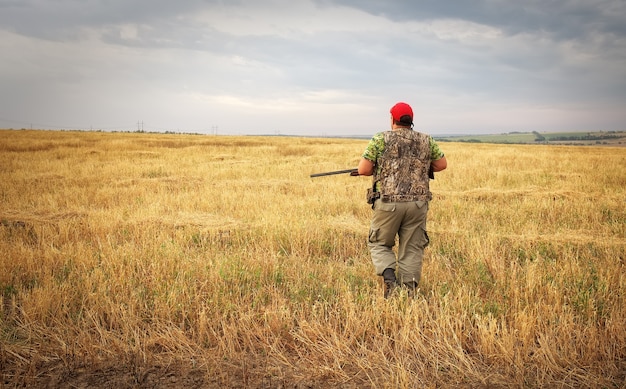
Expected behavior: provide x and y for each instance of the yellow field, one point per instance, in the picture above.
(158, 260)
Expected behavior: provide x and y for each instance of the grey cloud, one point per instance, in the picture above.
(566, 19)
(550, 53)
(61, 19)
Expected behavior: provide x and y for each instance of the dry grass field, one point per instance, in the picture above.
(165, 260)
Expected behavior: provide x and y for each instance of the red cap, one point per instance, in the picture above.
(401, 109)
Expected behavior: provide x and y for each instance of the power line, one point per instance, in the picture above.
(32, 125)
(140, 126)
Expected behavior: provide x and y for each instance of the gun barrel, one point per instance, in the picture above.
(335, 172)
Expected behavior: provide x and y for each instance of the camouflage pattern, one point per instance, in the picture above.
(376, 146)
(402, 169)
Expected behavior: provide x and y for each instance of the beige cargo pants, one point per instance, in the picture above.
(407, 221)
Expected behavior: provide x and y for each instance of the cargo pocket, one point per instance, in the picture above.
(373, 235)
(426, 239)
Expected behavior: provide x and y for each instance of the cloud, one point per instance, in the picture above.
(313, 66)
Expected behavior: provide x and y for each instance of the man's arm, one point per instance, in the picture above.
(438, 164)
(366, 167)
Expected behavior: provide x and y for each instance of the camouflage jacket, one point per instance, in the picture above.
(402, 169)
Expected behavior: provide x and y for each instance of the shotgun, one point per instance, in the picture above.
(353, 172)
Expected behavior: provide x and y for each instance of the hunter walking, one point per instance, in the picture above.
(399, 161)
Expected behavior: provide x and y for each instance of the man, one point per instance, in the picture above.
(399, 161)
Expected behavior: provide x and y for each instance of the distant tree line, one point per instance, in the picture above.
(539, 137)
(596, 136)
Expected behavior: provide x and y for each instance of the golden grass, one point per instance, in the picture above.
(178, 260)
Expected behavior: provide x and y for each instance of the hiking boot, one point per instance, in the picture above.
(411, 288)
(389, 278)
(390, 286)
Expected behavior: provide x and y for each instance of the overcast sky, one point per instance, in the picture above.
(313, 67)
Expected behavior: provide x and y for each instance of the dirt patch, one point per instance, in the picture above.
(249, 374)
(120, 377)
